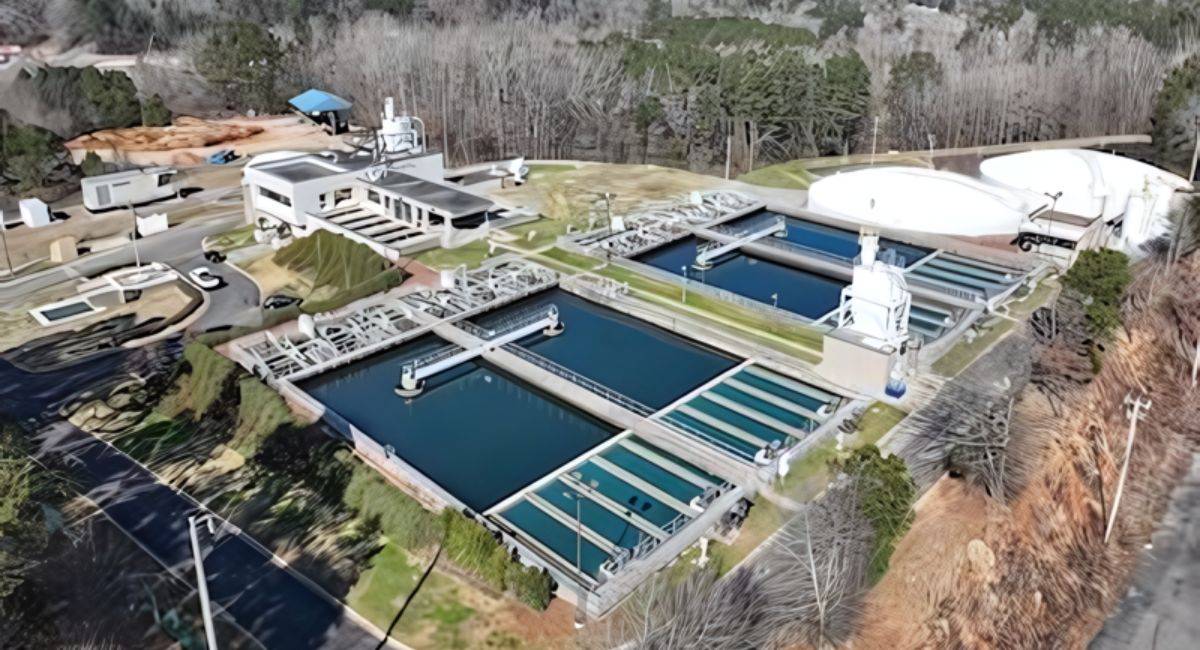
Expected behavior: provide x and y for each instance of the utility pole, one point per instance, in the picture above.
(1135, 408)
(210, 634)
(1195, 152)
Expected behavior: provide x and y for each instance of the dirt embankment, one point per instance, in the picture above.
(1037, 572)
(190, 140)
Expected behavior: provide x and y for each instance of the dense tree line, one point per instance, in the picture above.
(671, 83)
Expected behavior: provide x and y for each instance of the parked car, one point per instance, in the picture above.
(279, 301)
(204, 278)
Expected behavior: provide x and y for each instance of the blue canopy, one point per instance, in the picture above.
(318, 101)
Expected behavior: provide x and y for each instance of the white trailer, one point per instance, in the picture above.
(129, 188)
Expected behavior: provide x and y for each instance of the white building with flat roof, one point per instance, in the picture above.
(397, 205)
(1132, 197)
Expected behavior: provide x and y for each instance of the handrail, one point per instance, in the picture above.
(433, 357)
(509, 323)
(580, 380)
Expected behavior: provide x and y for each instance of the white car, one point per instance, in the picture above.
(204, 278)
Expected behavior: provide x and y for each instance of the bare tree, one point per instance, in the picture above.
(805, 586)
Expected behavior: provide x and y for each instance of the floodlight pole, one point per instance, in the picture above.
(1136, 406)
(210, 634)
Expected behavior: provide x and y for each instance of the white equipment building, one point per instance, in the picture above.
(394, 199)
(128, 188)
(866, 349)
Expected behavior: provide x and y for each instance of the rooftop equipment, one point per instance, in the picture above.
(399, 134)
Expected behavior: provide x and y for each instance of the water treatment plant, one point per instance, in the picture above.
(597, 433)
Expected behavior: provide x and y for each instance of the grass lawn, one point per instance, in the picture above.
(961, 355)
(878, 419)
(544, 231)
(1025, 306)
(231, 239)
(541, 171)
(381, 589)
(790, 175)
(472, 255)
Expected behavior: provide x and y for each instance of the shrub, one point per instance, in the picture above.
(886, 493)
(261, 411)
(474, 548)
(113, 97)
(307, 457)
(401, 518)
(28, 155)
(198, 389)
(530, 585)
(155, 112)
(91, 164)
(1101, 277)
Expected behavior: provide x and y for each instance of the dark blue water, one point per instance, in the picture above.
(800, 292)
(476, 431)
(634, 358)
(835, 241)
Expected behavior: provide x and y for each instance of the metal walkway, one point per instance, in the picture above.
(752, 410)
(615, 506)
(711, 250)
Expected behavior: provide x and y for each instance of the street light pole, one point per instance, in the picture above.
(1136, 406)
(685, 281)
(874, 139)
(137, 258)
(210, 634)
(4, 236)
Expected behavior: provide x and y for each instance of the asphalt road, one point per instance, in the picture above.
(174, 247)
(275, 606)
(1160, 610)
(235, 302)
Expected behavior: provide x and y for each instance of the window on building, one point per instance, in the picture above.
(373, 196)
(275, 196)
(165, 179)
